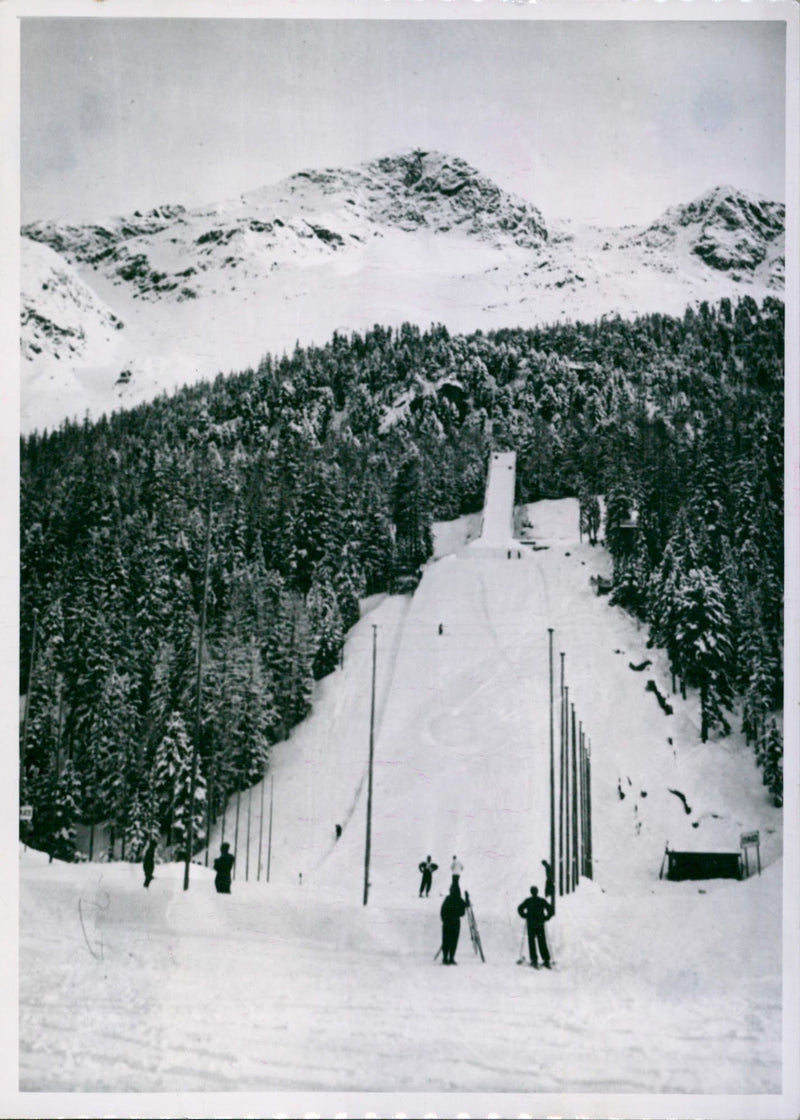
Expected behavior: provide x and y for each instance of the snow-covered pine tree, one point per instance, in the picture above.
(619, 506)
(412, 519)
(258, 723)
(773, 763)
(65, 813)
(325, 624)
(704, 635)
(180, 815)
(111, 756)
(631, 582)
(589, 507)
(170, 772)
(141, 825)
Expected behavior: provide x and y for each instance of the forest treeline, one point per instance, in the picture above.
(317, 477)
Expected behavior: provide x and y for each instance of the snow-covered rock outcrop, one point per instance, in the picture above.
(417, 236)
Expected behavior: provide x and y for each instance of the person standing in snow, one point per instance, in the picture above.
(456, 867)
(536, 911)
(452, 911)
(223, 866)
(149, 863)
(427, 868)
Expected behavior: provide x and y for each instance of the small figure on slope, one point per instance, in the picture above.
(149, 863)
(536, 911)
(452, 911)
(456, 867)
(223, 866)
(427, 868)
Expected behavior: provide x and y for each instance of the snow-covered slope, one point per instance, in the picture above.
(295, 985)
(419, 236)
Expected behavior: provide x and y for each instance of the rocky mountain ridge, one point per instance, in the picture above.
(173, 294)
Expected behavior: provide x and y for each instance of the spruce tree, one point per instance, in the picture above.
(65, 813)
(704, 633)
(170, 774)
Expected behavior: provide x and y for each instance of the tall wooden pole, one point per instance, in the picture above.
(247, 850)
(561, 787)
(24, 744)
(552, 775)
(574, 804)
(588, 805)
(199, 697)
(582, 806)
(269, 838)
(210, 794)
(567, 822)
(371, 757)
(261, 826)
(236, 828)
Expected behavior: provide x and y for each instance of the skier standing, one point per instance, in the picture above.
(223, 865)
(427, 868)
(149, 863)
(452, 911)
(536, 911)
(456, 867)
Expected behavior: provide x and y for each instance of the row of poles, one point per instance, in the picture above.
(571, 821)
(249, 822)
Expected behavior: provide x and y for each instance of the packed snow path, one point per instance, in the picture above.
(659, 986)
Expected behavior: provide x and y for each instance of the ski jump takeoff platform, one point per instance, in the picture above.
(497, 524)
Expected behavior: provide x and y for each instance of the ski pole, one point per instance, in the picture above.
(521, 947)
(438, 951)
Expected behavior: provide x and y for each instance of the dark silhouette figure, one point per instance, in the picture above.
(338, 831)
(536, 911)
(149, 863)
(452, 911)
(427, 868)
(456, 867)
(223, 865)
(441, 628)
(549, 881)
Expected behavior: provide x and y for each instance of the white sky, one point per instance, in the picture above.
(606, 121)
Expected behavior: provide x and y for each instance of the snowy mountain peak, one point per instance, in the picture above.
(411, 190)
(413, 236)
(729, 230)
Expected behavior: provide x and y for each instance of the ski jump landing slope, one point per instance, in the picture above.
(295, 984)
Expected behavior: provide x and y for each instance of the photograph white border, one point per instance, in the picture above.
(19, 1104)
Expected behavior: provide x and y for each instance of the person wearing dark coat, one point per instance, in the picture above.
(427, 868)
(223, 866)
(452, 911)
(149, 863)
(536, 911)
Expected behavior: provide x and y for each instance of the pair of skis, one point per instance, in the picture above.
(474, 936)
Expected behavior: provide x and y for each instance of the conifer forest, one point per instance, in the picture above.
(313, 480)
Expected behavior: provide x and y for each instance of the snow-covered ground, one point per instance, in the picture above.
(667, 988)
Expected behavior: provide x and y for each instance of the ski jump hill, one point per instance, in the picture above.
(293, 983)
